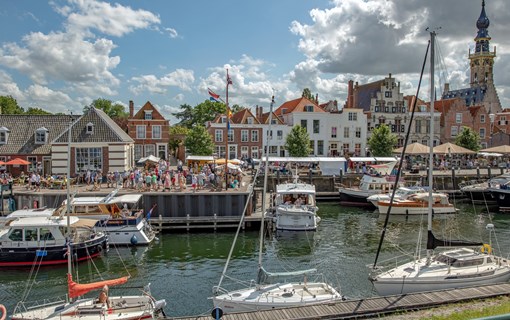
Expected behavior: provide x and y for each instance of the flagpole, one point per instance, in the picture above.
(226, 135)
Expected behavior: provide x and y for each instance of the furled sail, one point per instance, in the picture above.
(433, 242)
(78, 289)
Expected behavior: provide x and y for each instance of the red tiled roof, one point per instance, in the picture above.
(297, 105)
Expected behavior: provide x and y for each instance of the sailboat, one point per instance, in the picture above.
(467, 264)
(120, 307)
(261, 295)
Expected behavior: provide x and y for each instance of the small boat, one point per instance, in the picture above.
(295, 207)
(401, 193)
(480, 192)
(379, 179)
(121, 217)
(417, 204)
(40, 240)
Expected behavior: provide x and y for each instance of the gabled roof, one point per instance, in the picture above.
(241, 117)
(148, 106)
(265, 118)
(297, 105)
(364, 94)
(105, 129)
(22, 129)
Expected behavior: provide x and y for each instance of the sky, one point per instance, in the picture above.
(60, 55)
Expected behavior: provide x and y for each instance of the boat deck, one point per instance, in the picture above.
(371, 307)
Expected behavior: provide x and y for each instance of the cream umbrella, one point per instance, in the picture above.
(414, 148)
(450, 148)
(504, 149)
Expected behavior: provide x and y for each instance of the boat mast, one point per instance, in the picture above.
(266, 170)
(68, 196)
(431, 139)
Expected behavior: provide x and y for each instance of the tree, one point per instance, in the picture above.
(469, 139)
(236, 108)
(200, 114)
(174, 143)
(112, 110)
(199, 141)
(37, 111)
(9, 105)
(382, 142)
(298, 142)
(308, 94)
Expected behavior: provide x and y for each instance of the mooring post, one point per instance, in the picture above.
(454, 183)
(489, 172)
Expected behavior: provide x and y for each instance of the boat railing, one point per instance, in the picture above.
(391, 263)
(23, 306)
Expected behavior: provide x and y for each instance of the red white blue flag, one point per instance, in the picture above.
(213, 95)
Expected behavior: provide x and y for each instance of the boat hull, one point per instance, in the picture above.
(276, 296)
(294, 218)
(51, 255)
(353, 197)
(121, 233)
(415, 210)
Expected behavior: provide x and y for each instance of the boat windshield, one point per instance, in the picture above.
(445, 259)
(459, 263)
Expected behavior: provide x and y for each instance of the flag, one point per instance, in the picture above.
(213, 100)
(213, 95)
(148, 215)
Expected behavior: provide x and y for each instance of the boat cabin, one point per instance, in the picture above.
(297, 194)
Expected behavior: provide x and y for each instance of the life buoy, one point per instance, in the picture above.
(4, 312)
(486, 248)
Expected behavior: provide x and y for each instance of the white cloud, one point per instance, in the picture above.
(180, 78)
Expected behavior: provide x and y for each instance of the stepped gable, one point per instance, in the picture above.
(104, 129)
(22, 128)
(363, 94)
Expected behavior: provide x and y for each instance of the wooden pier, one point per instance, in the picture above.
(371, 307)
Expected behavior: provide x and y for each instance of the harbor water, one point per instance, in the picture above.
(183, 267)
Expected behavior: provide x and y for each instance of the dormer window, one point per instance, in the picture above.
(90, 128)
(41, 135)
(284, 110)
(249, 120)
(148, 115)
(4, 135)
(308, 108)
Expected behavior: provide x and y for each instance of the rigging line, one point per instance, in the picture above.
(397, 178)
(442, 65)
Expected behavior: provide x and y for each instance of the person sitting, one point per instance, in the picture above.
(298, 202)
(103, 296)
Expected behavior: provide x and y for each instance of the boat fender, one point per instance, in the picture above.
(4, 312)
(486, 248)
(134, 240)
(99, 248)
(217, 313)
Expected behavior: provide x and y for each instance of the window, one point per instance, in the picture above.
(150, 149)
(376, 108)
(458, 118)
(346, 132)
(427, 128)
(425, 142)
(274, 121)
(357, 148)
(218, 135)
(316, 126)
(333, 132)
(162, 151)
(140, 132)
(148, 115)
(89, 159)
(156, 132)
(482, 133)
(244, 151)
(254, 136)
(249, 120)
(312, 147)
(417, 127)
(138, 151)
(273, 150)
(387, 94)
(320, 147)
(16, 235)
(454, 131)
(346, 148)
(30, 234)
(254, 152)
(220, 150)
(244, 136)
(304, 124)
(230, 135)
(90, 128)
(33, 163)
(4, 134)
(41, 135)
(358, 132)
(308, 109)
(482, 118)
(45, 234)
(353, 116)
(279, 134)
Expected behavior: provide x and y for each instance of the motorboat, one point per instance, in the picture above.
(26, 241)
(480, 192)
(378, 179)
(418, 204)
(295, 207)
(401, 193)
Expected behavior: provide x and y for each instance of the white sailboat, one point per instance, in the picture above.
(261, 295)
(106, 307)
(472, 264)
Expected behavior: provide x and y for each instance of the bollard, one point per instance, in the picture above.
(477, 173)
(502, 170)
(489, 172)
(341, 176)
(454, 183)
(310, 173)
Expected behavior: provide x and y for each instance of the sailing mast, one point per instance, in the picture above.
(68, 196)
(227, 128)
(431, 141)
(264, 191)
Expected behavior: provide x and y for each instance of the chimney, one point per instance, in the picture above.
(446, 88)
(317, 98)
(131, 108)
(350, 91)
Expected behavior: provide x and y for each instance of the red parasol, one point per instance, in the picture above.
(18, 161)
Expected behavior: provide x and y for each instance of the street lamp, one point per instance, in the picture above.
(492, 117)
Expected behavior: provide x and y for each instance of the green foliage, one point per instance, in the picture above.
(36, 111)
(308, 94)
(199, 141)
(9, 105)
(200, 114)
(236, 108)
(469, 139)
(298, 142)
(112, 110)
(174, 142)
(382, 142)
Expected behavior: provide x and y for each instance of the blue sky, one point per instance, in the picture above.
(60, 55)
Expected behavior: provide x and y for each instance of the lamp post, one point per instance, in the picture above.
(492, 117)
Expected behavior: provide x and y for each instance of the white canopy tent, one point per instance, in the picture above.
(329, 165)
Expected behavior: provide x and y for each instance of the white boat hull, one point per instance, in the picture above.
(139, 234)
(276, 296)
(295, 218)
(404, 210)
